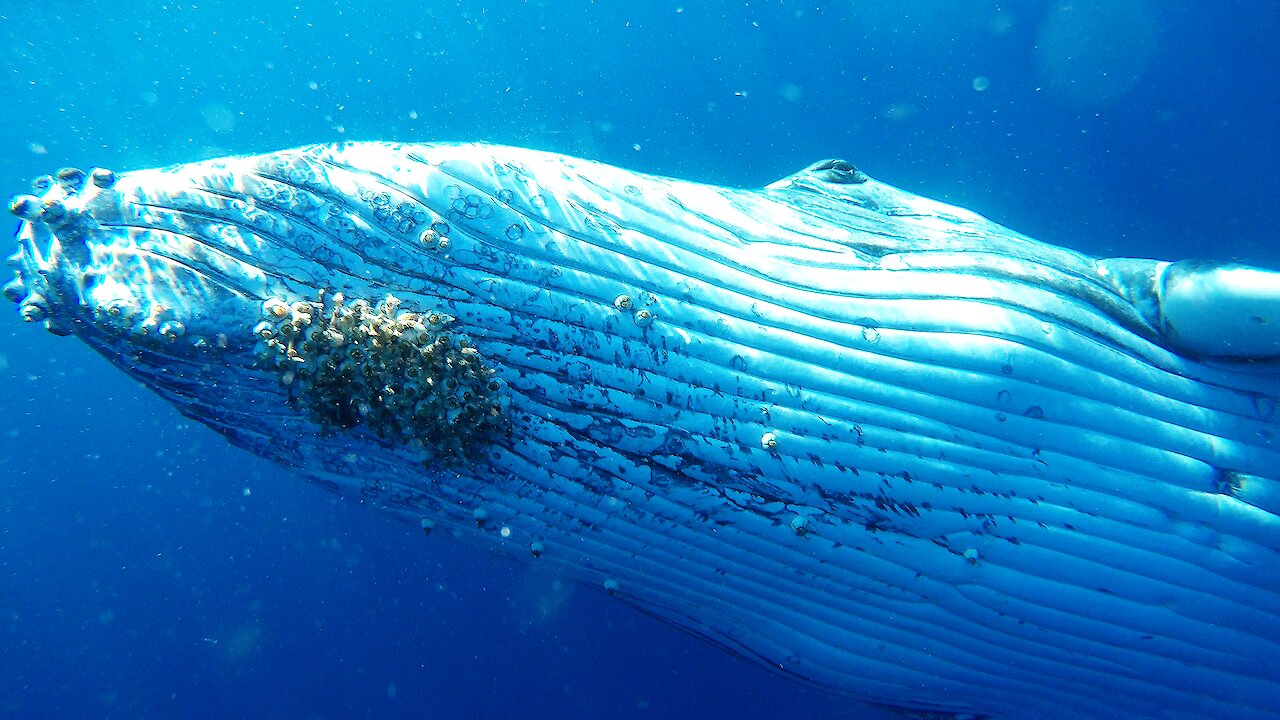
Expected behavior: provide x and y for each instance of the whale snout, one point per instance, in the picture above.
(96, 257)
(228, 274)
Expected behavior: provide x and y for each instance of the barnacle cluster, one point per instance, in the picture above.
(403, 376)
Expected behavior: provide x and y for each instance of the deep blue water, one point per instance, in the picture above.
(149, 570)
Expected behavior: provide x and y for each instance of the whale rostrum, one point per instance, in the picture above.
(869, 440)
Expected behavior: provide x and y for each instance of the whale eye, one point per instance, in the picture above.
(840, 172)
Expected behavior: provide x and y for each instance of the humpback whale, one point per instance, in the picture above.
(869, 440)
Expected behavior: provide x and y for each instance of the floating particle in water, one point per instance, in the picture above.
(218, 118)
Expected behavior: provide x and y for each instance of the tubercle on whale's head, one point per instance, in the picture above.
(83, 267)
(187, 282)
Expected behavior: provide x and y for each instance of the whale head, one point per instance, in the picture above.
(872, 441)
(266, 304)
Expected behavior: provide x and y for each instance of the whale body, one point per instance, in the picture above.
(866, 439)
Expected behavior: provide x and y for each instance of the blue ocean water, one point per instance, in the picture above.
(149, 570)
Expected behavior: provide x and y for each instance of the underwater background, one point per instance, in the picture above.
(149, 570)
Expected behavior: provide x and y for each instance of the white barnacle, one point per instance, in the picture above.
(800, 524)
(171, 330)
(971, 554)
(643, 318)
(389, 367)
(611, 586)
(769, 441)
(276, 308)
(622, 302)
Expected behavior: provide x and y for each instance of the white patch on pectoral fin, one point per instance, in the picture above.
(1203, 309)
(1220, 310)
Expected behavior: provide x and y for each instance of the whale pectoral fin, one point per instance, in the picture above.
(1205, 309)
(1221, 310)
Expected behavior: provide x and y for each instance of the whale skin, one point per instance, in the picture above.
(869, 440)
